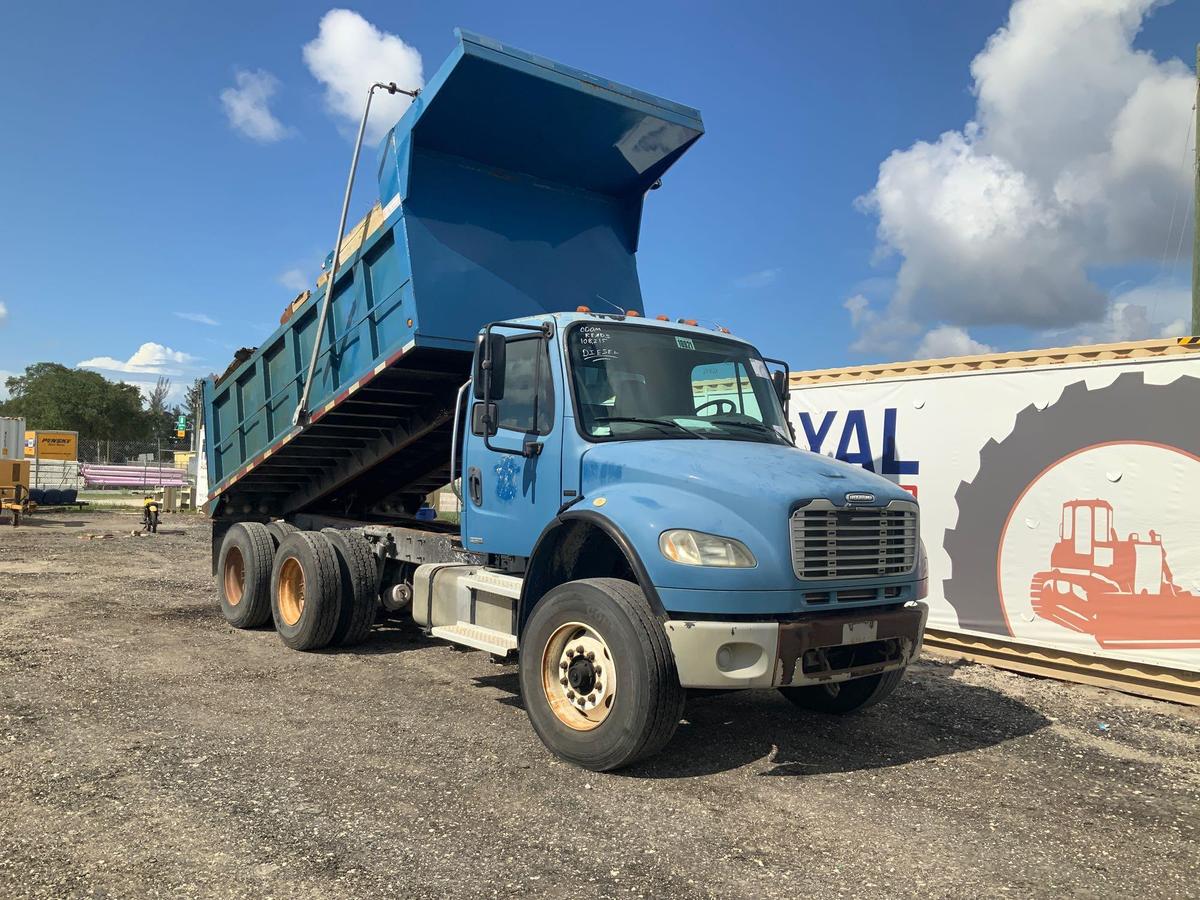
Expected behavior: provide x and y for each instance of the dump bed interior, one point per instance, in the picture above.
(512, 186)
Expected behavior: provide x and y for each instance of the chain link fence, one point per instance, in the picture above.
(129, 453)
(116, 465)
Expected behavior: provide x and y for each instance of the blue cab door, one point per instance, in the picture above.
(508, 498)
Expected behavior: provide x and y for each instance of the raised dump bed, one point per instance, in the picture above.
(512, 186)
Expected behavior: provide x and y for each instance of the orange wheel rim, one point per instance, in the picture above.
(291, 590)
(234, 576)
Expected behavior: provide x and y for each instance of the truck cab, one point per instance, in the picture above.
(602, 447)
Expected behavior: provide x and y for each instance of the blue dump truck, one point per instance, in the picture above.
(635, 520)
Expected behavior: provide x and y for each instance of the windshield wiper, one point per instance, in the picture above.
(649, 421)
(757, 426)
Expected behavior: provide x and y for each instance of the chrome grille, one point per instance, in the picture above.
(853, 541)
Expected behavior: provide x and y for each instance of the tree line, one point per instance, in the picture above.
(53, 397)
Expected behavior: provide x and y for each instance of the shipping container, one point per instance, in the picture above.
(1057, 493)
(12, 438)
(59, 445)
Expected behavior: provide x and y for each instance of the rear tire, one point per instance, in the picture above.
(631, 707)
(280, 530)
(244, 575)
(306, 590)
(360, 586)
(844, 697)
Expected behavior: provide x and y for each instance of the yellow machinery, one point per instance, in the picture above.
(14, 489)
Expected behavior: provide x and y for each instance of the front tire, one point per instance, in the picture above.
(607, 719)
(244, 575)
(844, 697)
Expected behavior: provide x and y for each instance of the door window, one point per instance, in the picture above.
(527, 362)
(723, 388)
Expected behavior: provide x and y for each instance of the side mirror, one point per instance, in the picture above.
(488, 377)
(484, 419)
(779, 379)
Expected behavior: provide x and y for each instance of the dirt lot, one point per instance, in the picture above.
(147, 749)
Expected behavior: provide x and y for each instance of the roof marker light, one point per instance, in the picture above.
(691, 322)
(632, 313)
(582, 309)
(663, 318)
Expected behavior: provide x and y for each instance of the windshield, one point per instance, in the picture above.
(635, 382)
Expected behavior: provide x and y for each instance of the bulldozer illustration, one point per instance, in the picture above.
(1121, 592)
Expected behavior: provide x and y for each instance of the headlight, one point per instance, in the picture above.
(695, 548)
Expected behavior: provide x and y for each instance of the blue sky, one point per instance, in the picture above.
(133, 213)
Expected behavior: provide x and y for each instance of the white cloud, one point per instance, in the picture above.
(1072, 162)
(348, 55)
(198, 318)
(295, 280)
(759, 279)
(947, 340)
(1142, 313)
(3, 313)
(149, 359)
(4, 376)
(879, 334)
(248, 106)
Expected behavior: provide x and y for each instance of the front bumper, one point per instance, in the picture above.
(813, 650)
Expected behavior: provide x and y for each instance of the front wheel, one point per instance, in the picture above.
(843, 697)
(598, 679)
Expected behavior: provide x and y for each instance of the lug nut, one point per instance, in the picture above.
(570, 653)
(591, 698)
(596, 669)
(563, 682)
(591, 655)
(570, 695)
(563, 664)
(579, 649)
(599, 687)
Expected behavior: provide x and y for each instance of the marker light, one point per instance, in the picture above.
(582, 309)
(632, 313)
(695, 548)
(663, 318)
(691, 322)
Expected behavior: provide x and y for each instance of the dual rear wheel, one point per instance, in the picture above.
(319, 588)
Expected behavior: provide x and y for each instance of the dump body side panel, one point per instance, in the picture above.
(491, 210)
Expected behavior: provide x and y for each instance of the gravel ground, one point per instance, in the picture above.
(147, 749)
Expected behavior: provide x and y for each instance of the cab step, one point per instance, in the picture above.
(498, 642)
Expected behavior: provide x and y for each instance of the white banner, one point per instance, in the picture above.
(1060, 504)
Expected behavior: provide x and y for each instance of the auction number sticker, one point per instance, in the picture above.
(684, 343)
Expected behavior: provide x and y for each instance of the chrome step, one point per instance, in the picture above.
(499, 642)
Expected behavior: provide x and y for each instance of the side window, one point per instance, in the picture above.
(527, 361)
(721, 388)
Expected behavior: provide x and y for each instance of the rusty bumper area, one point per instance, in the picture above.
(853, 645)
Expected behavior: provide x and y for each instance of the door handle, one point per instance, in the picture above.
(475, 485)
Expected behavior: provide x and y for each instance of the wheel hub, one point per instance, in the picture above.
(581, 675)
(235, 576)
(291, 591)
(578, 676)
